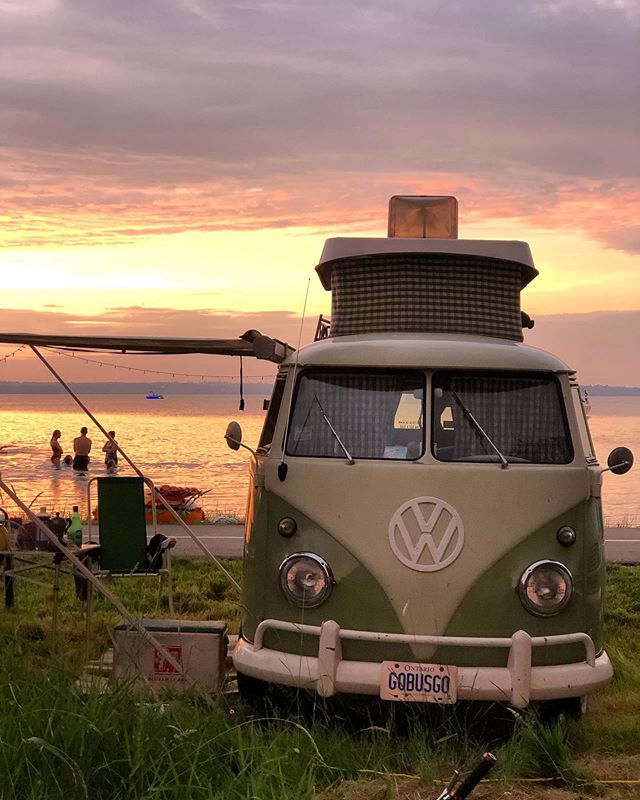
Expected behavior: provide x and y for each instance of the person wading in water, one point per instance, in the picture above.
(56, 448)
(110, 449)
(81, 450)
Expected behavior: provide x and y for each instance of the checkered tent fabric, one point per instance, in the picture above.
(522, 416)
(361, 407)
(434, 293)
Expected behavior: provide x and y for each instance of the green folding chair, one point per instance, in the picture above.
(125, 551)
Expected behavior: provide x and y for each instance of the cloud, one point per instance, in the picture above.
(144, 322)
(601, 346)
(158, 321)
(626, 239)
(149, 118)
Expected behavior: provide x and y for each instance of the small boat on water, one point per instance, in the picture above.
(155, 396)
(181, 499)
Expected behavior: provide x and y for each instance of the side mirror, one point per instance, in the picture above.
(233, 435)
(620, 460)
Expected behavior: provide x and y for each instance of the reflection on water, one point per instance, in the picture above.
(179, 440)
(615, 422)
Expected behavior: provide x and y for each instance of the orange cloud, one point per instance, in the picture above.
(69, 200)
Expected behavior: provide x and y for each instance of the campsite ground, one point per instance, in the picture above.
(62, 739)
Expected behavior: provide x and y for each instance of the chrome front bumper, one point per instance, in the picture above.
(519, 683)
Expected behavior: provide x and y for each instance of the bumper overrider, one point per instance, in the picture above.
(519, 683)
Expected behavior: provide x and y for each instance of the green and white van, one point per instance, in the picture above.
(424, 518)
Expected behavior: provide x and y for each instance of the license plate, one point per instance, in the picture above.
(422, 683)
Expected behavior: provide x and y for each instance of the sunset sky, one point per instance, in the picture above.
(172, 167)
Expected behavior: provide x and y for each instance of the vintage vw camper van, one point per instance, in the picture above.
(424, 519)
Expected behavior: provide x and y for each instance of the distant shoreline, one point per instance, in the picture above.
(219, 388)
(611, 391)
(201, 388)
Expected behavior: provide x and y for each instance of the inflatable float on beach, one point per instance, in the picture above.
(181, 499)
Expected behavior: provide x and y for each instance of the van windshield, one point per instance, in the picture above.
(377, 414)
(481, 417)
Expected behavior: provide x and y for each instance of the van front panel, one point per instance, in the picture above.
(339, 521)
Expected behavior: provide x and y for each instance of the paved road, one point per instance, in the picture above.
(622, 545)
(224, 541)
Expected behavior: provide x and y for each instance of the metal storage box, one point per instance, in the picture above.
(200, 646)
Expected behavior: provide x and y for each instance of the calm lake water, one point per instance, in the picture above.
(179, 440)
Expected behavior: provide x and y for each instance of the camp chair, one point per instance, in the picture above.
(123, 534)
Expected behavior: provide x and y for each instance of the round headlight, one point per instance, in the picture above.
(545, 587)
(306, 579)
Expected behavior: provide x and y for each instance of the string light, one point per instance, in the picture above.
(10, 355)
(73, 354)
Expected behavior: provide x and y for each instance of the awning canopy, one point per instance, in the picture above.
(252, 343)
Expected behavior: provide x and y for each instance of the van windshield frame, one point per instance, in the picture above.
(523, 414)
(269, 426)
(378, 414)
(583, 426)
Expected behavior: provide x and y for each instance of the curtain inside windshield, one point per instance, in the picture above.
(368, 414)
(478, 417)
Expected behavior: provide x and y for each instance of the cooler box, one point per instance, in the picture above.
(199, 646)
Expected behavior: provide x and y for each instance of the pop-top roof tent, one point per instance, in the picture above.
(423, 279)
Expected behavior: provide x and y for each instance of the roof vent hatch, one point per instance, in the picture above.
(419, 217)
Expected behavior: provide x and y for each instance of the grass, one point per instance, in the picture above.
(57, 740)
(613, 725)
(200, 592)
(621, 522)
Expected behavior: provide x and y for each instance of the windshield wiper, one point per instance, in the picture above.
(334, 432)
(480, 429)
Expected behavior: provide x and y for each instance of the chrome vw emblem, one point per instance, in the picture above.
(426, 534)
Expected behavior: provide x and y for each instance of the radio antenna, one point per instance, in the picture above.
(282, 467)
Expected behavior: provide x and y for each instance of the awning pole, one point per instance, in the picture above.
(138, 472)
